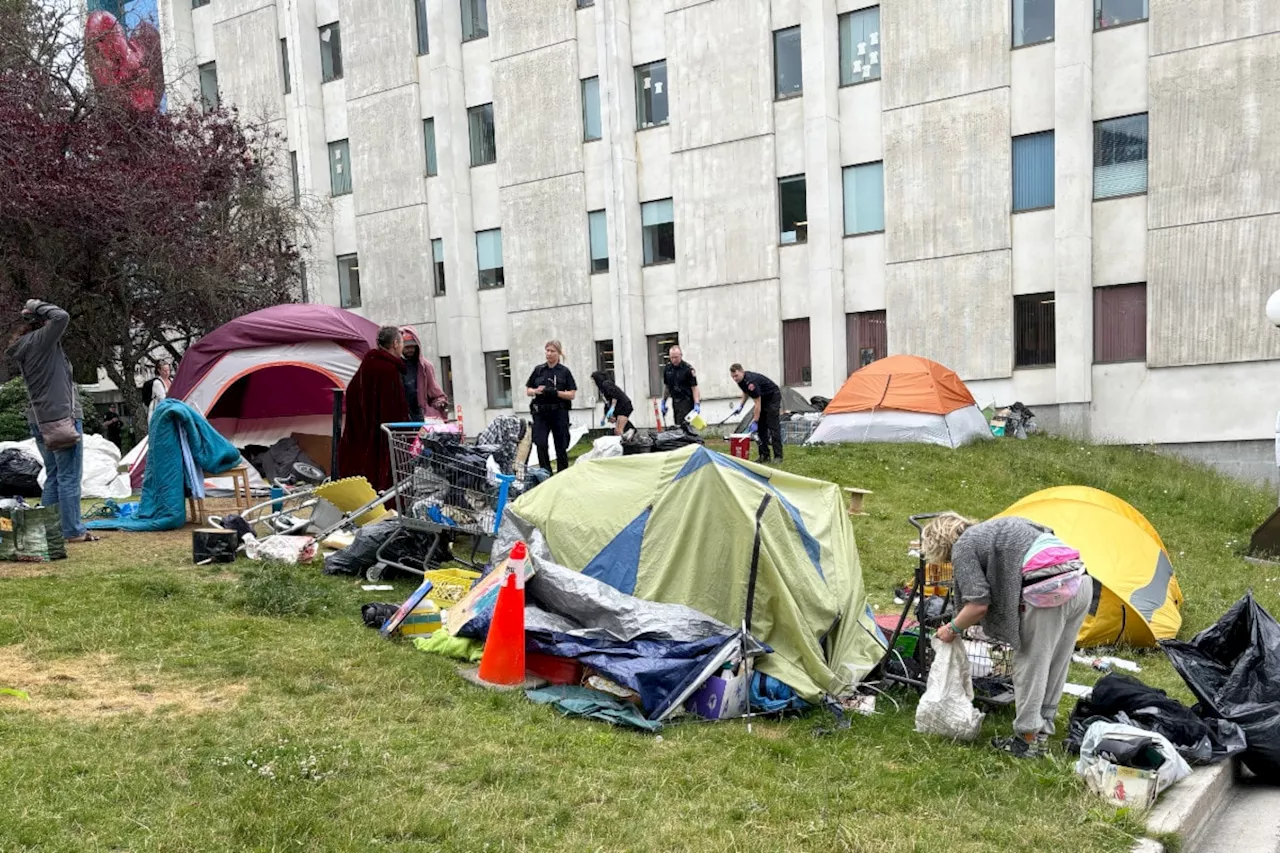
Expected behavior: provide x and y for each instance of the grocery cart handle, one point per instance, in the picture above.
(924, 516)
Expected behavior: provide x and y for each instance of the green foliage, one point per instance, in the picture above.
(13, 408)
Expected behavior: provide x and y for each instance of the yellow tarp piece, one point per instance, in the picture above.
(351, 493)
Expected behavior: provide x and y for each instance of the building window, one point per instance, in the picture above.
(1120, 157)
(475, 25)
(209, 86)
(1032, 22)
(429, 141)
(586, 4)
(657, 219)
(497, 379)
(330, 52)
(604, 357)
(651, 94)
(284, 66)
(437, 266)
(591, 109)
(420, 21)
(1034, 339)
(797, 366)
(597, 228)
(196, 4)
(349, 281)
(489, 258)
(340, 167)
(791, 207)
(788, 77)
(659, 357)
(864, 198)
(293, 174)
(1120, 323)
(484, 147)
(1113, 13)
(860, 47)
(866, 338)
(446, 375)
(1033, 171)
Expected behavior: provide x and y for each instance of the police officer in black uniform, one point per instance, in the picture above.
(552, 388)
(767, 417)
(680, 382)
(617, 404)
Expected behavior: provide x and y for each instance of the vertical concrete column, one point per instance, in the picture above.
(622, 192)
(820, 52)
(1073, 213)
(453, 151)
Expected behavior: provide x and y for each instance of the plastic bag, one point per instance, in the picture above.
(281, 549)
(946, 708)
(604, 447)
(1233, 668)
(1092, 765)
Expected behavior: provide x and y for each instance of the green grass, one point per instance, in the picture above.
(279, 722)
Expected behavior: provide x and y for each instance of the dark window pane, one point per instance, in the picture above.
(1120, 323)
(484, 147)
(437, 263)
(284, 62)
(330, 52)
(597, 227)
(797, 366)
(429, 142)
(604, 357)
(659, 232)
(349, 281)
(591, 109)
(1120, 156)
(420, 19)
(1035, 340)
(475, 19)
(866, 338)
(788, 77)
(659, 357)
(209, 86)
(497, 374)
(1113, 13)
(1032, 21)
(791, 205)
(651, 94)
(339, 167)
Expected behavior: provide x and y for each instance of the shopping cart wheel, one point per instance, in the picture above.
(308, 473)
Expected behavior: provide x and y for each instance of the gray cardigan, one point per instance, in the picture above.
(45, 368)
(986, 563)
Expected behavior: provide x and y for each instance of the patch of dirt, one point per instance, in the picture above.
(17, 571)
(96, 686)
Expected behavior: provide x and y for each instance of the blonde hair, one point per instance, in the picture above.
(940, 534)
(555, 345)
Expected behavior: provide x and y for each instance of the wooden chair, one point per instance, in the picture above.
(856, 497)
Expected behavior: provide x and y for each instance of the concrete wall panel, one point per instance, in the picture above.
(793, 282)
(326, 11)
(519, 26)
(333, 96)
(379, 45)
(595, 163)
(495, 331)
(653, 163)
(585, 23)
(719, 326)
(956, 310)
(477, 70)
(249, 73)
(1119, 241)
(789, 139)
(395, 266)
(1207, 289)
(1182, 24)
(544, 244)
(1120, 71)
(724, 237)
(929, 56)
(864, 273)
(602, 324)
(648, 33)
(1217, 111)
(1031, 89)
(226, 10)
(860, 118)
(386, 145)
(486, 204)
(545, 142)
(1033, 252)
(530, 331)
(720, 68)
(661, 300)
(947, 177)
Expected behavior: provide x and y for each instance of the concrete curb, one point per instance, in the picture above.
(1186, 808)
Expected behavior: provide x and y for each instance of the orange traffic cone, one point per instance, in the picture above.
(503, 659)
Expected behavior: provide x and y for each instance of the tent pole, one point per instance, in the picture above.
(336, 432)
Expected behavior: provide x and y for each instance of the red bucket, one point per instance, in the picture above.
(740, 446)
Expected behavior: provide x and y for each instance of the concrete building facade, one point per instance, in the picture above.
(1072, 204)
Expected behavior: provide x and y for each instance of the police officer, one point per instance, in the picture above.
(617, 404)
(552, 388)
(767, 417)
(680, 382)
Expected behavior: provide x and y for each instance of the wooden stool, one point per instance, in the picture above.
(239, 485)
(195, 508)
(855, 499)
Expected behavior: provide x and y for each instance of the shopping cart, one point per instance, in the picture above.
(909, 654)
(446, 490)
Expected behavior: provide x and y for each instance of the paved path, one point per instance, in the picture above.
(1248, 822)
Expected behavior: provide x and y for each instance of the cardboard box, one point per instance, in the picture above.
(722, 697)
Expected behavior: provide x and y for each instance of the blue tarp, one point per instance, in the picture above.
(583, 702)
(163, 495)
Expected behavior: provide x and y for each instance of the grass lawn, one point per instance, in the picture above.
(240, 708)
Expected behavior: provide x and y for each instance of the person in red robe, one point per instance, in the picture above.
(375, 397)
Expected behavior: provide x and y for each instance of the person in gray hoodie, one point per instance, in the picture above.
(51, 390)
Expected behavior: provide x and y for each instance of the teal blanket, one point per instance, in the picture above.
(164, 483)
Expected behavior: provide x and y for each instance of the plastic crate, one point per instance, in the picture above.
(448, 586)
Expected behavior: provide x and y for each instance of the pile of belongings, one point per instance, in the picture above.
(1016, 421)
(1122, 699)
(661, 442)
(407, 546)
(1233, 668)
(1128, 766)
(278, 461)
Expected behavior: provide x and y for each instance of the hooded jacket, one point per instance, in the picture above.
(431, 397)
(374, 397)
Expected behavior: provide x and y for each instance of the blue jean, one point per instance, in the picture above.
(62, 472)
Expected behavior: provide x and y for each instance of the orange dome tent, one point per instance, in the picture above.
(903, 398)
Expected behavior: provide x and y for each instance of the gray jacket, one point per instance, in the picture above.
(45, 368)
(986, 564)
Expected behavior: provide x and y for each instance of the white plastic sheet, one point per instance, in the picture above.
(100, 476)
(604, 447)
(281, 549)
(946, 708)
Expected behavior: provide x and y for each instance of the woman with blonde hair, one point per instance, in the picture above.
(1028, 589)
(552, 388)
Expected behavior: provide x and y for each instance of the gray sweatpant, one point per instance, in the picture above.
(1048, 637)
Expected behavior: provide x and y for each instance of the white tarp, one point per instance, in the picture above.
(100, 474)
(890, 425)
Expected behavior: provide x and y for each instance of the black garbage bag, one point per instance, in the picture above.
(376, 613)
(1121, 698)
(636, 442)
(1233, 668)
(19, 475)
(820, 403)
(410, 548)
(673, 439)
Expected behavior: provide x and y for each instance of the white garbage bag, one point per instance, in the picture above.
(279, 548)
(100, 475)
(946, 708)
(1095, 769)
(604, 447)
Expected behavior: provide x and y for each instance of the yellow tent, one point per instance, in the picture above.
(1140, 596)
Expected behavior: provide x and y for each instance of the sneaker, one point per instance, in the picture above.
(1018, 746)
(762, 460)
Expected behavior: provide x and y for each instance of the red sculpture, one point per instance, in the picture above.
(131, 66)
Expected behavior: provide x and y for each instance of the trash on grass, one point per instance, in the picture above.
(1128, 766)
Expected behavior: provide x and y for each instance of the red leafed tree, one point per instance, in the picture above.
(150, 227)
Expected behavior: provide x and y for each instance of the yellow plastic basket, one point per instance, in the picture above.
(448, 586)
